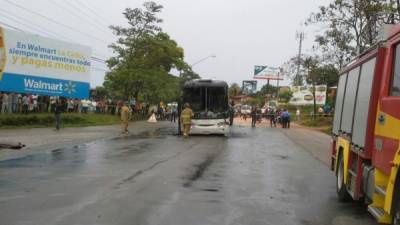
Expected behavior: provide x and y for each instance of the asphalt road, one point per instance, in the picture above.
(255, 176)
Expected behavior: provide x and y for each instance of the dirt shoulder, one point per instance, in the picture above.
(312, 139)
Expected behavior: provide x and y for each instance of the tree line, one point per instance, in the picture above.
(144, 56)
(349, 28)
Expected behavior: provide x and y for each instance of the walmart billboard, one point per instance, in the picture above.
(38, 65)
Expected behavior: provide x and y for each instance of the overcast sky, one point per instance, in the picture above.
(240, 33)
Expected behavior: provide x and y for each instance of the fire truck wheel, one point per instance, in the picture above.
(341, 190)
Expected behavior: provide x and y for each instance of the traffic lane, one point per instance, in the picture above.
(315, 142)
(68, 184)
(261, 177)
(256, 176)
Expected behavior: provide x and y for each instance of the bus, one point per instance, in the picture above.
(209, 102)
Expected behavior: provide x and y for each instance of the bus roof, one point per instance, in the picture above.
(205, 83)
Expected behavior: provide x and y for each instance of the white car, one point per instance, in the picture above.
(245, 110)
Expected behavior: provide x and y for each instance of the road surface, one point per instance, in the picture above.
(255, 176)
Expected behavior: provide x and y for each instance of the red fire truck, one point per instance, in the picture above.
(366, 129)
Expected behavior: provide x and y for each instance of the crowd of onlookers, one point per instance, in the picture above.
(30, 103)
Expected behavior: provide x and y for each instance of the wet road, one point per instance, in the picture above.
(256, 176)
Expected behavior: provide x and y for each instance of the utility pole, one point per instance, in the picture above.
(300, 37)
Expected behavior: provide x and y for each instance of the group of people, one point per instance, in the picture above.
(168, 112)
(11, 103)
(280, 116)
(19, 103)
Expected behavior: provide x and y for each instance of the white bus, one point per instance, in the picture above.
(209, 102)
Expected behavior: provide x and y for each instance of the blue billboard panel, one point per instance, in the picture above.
(38, 65)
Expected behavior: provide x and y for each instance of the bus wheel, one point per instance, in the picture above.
(341, 190)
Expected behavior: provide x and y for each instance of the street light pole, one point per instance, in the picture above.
(197, 62)
(201, 60)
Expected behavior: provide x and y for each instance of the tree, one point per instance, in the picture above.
(311, 65)
(290, 69)
(286, 96)
(268, 89)
(234, 90)
(144, 57)
(352, 26)
(327, 75)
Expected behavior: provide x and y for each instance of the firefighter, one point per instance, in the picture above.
(186, 119)
(125, 118)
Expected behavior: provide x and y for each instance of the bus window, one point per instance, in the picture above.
(196, 98)
(217, 99)
(395, 90)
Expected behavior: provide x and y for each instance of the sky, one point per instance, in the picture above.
(240, 33)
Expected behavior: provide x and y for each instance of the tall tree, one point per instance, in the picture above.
(144, 57)
(352, 26)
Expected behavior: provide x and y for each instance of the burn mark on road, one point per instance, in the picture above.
(130, 178)
(282, 157)
(198, 173)
(210, 189)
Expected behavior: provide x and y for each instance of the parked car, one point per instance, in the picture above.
(245, 110)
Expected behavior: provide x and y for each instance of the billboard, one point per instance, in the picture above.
(302, 95)
(268, 73)
(38, 65)
(249, 87)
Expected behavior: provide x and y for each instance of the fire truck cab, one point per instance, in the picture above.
(366, 129)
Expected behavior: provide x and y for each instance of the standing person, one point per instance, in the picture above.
(231, 114)
(4, 106)
(272, 117)
(186, 118)
(285, 119)
(85, 106)
(253, 116)
(57, 114)
(298, 114)
(14, 102)
(125, 118)
(10, 101)
(70, 105)
(174, 112)
(25, 101)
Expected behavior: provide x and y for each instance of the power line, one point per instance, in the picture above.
(41, 30)
(98, 68)
(57, 4)
(93, 11)
(55, 22)
(96, 59)
(24, 24)
(10, 26)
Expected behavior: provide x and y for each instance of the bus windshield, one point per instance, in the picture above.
(207, 102)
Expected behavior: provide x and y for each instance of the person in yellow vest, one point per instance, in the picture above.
(125, 118)
(186, 119)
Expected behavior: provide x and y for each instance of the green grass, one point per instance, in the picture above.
(67, 120)
(325, 123)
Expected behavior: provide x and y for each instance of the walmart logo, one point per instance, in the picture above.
(70, 87)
